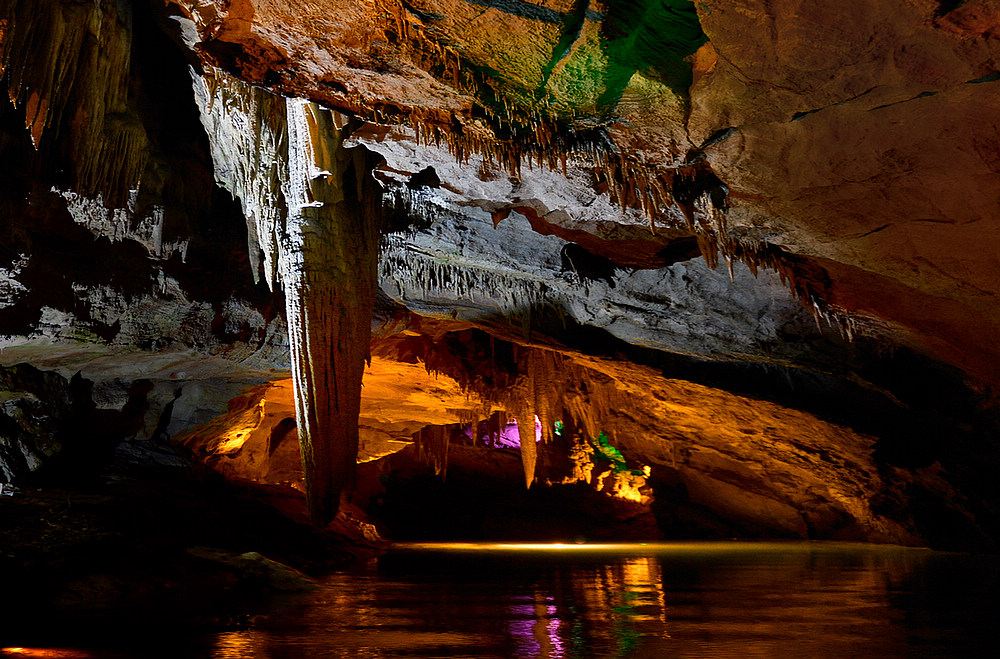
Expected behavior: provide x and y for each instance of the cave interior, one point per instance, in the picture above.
(311, 280)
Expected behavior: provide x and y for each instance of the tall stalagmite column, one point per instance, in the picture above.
(329, 269)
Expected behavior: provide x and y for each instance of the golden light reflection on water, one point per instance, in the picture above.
(366, 616)
(48, 653)
(704, 548)
(555, 600)
(242, 644)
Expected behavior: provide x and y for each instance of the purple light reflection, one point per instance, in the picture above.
(508, 437)
(535, 629)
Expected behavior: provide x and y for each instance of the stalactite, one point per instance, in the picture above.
(529, 450)
(432, 447)
(414, 271)
(315, 213)
(552, 386)
(247, 131)
(329, 267)
(544, 383)
(67, 65)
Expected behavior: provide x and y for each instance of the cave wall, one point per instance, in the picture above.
(154, 260)
(800, 231)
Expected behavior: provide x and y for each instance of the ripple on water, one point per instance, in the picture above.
(705, 600)
(697, 600)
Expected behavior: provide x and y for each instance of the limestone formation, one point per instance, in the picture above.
(754, 242)
(315, 212)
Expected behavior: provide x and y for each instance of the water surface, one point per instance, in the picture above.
(681, 600)
(676, 600)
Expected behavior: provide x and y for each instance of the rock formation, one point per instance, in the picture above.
(755, 243)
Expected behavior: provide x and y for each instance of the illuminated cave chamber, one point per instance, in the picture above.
(358, 256)
(616, 449)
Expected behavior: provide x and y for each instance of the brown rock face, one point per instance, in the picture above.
(867, 140)
(864, 140)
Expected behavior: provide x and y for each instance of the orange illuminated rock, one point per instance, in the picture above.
(257, 439)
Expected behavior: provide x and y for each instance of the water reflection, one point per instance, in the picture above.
(238, 644)
(706, 601)
(47, 653)
(614, 606)
(534, 627)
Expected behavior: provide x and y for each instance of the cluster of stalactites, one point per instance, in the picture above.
(528, 135)
(432, 447)
(513, 293)
(686, 197)
(67, 65)
(247, 128)
(700, 200)
(510, 133)
(513, 133)
(548, 386)
(811, 288)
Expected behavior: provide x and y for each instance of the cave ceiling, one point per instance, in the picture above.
(865, 142)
